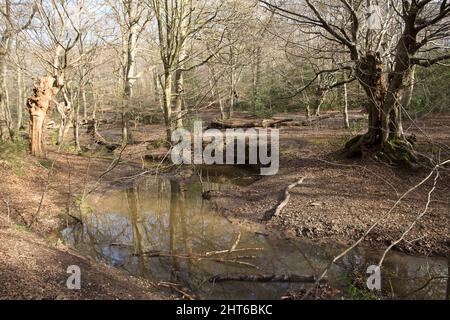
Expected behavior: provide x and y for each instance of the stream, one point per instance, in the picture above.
(133, 228)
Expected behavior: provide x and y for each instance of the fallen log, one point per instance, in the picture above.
(239, 124)
(285, 200)
(262, 278)
(310, 121)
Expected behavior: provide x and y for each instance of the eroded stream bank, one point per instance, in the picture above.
(163, 229)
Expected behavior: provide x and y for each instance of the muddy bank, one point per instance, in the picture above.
(38, 197)
(31, 268)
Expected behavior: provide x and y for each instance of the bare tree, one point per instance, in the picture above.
(382, 53)
(178, 23)
(132, 16)
(15, 17)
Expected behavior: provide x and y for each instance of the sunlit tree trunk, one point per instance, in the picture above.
(38, 107)
(346, 120)
(20, 99)
(167, 103)
(4, 128)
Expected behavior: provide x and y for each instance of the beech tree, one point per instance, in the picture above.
(384, 42)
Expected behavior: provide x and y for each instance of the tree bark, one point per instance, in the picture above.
(20, 99)
(385, 134)
(38, 107)
(346, 121)
(4, 127)
(167, 103)
(179, 88)
(319, 99)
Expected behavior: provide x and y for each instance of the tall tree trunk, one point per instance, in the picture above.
(129, 79)
(65, 113)
(157, 88)
(4, 127)
(179, 88)
(76, 123)
(85, 107)
(167, 103)
(346, 121)
(179, 77)
(20, 99)
(411, 82)
(257, 77)
(215, 93)
(319, 98)
(38, 107)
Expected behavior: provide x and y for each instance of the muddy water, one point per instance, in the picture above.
(150, 228)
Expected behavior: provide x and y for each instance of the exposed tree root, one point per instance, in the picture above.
(395, 151)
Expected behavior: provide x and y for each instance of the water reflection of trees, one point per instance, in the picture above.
(169, 216)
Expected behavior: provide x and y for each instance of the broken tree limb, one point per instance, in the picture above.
(235, 124)
(285, 200)
(234, 260)
(262, 278)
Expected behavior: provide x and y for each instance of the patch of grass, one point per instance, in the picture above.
(157, 144)
(45, 163)
(14, 155)
(356, 287)
(19, 227)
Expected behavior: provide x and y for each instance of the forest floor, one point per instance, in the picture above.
(338, 201)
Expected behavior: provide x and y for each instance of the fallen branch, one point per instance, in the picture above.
(286, 196)
(262, 278)
(178, 288)
(235, 260)
(209, 255)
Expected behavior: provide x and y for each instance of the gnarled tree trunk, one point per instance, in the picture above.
(385, 134)
(38, 107)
